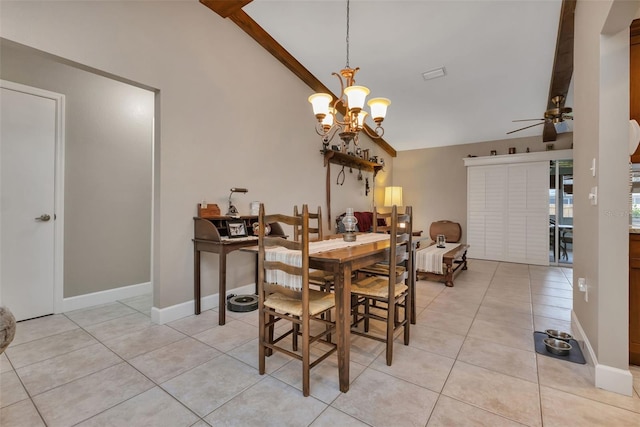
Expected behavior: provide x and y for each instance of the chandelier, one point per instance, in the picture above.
(350, 104)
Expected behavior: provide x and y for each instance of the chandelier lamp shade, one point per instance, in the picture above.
(352, 99)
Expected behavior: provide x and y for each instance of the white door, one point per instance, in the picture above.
(27, 183)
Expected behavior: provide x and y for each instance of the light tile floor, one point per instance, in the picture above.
(471, 361)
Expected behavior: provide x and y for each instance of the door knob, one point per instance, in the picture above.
(43, 217)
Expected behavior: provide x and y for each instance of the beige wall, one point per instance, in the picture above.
(108, 148)
(434, 180)
(227, 115)
(601, 75)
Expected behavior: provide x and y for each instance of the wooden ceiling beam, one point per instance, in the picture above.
(233, 11)
(225, 8)
(563, 61)
(635, 28)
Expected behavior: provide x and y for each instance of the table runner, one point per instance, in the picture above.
(430, 258)
(294, 258)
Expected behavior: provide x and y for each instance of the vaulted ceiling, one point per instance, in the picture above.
(498, 58)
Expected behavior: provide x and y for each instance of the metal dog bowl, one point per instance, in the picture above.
(559, 347)
(559, 335)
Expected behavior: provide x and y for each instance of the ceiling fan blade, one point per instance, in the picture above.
(526, 127)
(549, 132)
(525, 120)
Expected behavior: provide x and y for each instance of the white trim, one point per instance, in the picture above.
(58, 256)
(538, 156)
(105, 297)
(614, 379)
(605, 377)
(178, 311)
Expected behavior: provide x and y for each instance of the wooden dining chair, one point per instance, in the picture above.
(284, 295)
(385, 295)
(315, 224)
(382, 224)
(322, 279)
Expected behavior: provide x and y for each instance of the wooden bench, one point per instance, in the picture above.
(453, 260)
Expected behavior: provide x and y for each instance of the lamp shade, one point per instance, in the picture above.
(378, 108)
(361, 116)
(327, 122)
(393, 196)
(320, 103)
(356, 96)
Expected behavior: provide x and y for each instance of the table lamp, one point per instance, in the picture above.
(393, 196)
(232, 209)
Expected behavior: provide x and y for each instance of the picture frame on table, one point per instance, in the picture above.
(236, 228)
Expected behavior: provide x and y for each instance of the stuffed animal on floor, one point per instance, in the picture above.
(7, 328)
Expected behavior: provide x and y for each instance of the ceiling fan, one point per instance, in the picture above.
(560, 76)
(552, 116)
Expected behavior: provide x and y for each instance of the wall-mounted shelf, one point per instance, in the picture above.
(339, 158)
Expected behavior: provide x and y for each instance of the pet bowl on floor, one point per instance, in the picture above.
(559, 335)
(555, 346)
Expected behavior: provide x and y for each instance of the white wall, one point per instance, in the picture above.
(228, 115)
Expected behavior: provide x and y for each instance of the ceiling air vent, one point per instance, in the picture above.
(434, 74)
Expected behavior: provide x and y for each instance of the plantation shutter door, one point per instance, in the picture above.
(507, 212)
(486, 208)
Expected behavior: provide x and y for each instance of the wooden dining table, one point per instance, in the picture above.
(342, 262)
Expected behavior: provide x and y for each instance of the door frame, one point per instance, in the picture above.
(58, 229)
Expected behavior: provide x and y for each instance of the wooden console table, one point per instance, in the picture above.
(457, 256)
(210, 236)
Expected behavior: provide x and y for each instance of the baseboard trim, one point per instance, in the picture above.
(178, 311)
(614, 379)
(606, 377)
(105, 297)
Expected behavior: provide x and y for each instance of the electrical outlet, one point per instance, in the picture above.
(593, 196)
(582, 287)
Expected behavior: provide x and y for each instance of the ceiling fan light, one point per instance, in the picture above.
(356, 96)
(378, 108)
(320, 103)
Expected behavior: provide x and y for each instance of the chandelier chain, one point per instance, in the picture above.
(347, 38)
(350, 104)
